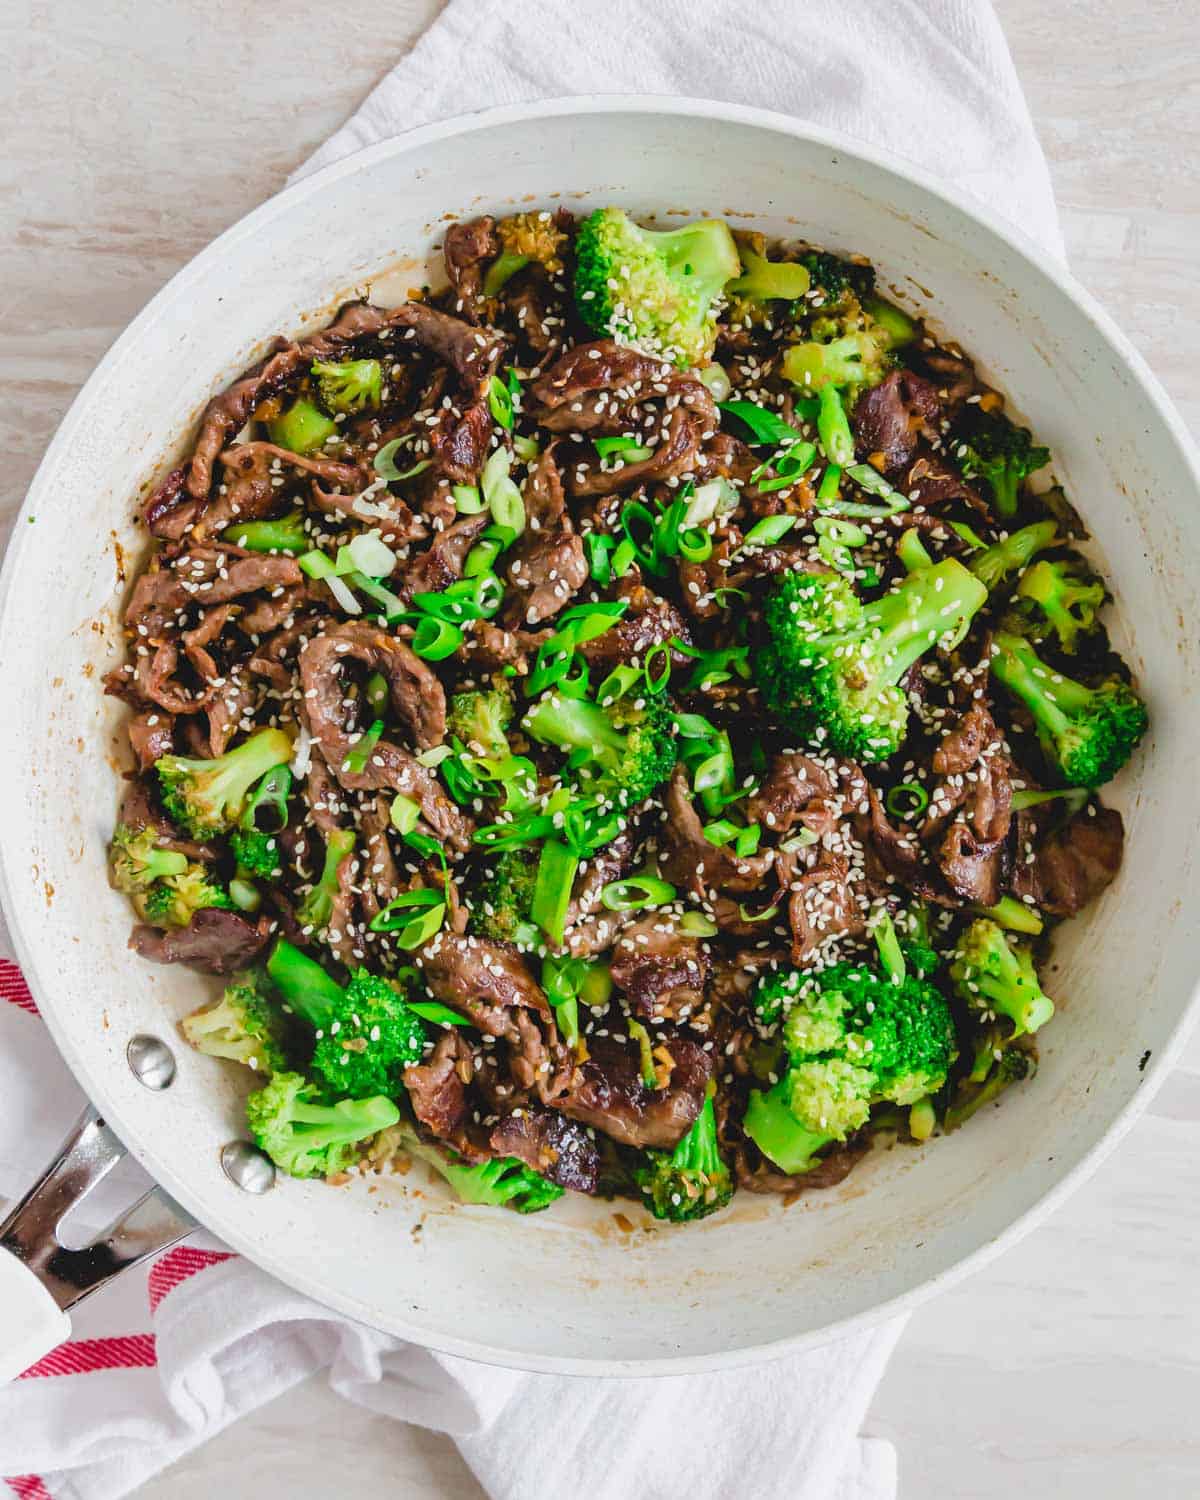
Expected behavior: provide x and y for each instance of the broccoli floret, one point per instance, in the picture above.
(302, 427)
(175, 900)
(206, 797)
(990, 974)
(629, 751)
(828, 661)
(137, 862)
(851, 363)
(524, 239)
(244, 1025)
(1087, 732)
(502, 1182)
(481, 718)
(764, 280)
(1067, 594)
(502, 898)
(991, 447)
(350, 386)
(837, 278)
(690, 1182)
(257, 853)
(854, 1038)
(999, 561)
(654, 288)
(365, 1033)
(1013, 1066)
(317, 907)
(304, 1136)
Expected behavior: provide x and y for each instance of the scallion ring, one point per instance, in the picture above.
(435, 640)
(695, 544)
(907, 799)
(657, 676)
(500, 402)
(636, 893)
(768, 531)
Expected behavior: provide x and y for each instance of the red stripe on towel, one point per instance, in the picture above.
(84, 1356)
(177, 1265)
(14, 989)
(28, 1487)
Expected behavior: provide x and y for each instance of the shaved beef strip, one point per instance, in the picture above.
(1072, 865)
(558, 1148)
(468, 246)
(417, 697)
(662, 971)
(216, 941)
(890, 417)
(610, 1096)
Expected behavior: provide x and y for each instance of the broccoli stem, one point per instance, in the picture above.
(502, 270)
(1014, 915)
(995, 563)
(777, 1133)
(302, 427)
(901, 626)
(911, 551)
(573, 724)
(304, 985)
(1049, 696)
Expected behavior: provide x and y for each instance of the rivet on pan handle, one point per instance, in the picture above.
(40, 1278)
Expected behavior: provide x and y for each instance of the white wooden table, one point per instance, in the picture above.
(135, 132)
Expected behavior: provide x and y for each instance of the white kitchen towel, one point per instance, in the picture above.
(174, 1354)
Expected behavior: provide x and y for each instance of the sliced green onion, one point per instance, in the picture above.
(552, 888)
(765, 426)
(969, 535)
(391, 606)
(758, 916)
(284, 535)
(316, 564)
(747, 841)
(377, 693)
(526, 449)
(828, 487)
(366, 554)
(768, 531)
(475, 598)
(790, 464)
(500, 402)
(617, 684)
(645, 1048)
(641, 531)
(434, 640)
(404, 814)
(636, 893)
(868, 478)
(695, 544)
(590, 621)
(666, 528)
(623, 558)
(1074, 796)
(721, 832)
(244, 895)
(717, 381)
(481, 558)
(597, 986)
(659, 654)
(356, 759)
(411, 928)
(907, 799)
(436, 1013)
(467, 499)
(626, 447)
(890, 954)
(711, 500)
(833, 427)
(385, 460)
(836, 539)
(696, 924)
(501, 493)
(599, 550)
(802, 840)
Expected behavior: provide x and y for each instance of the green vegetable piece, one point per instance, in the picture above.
(245, 1025)
(654, 288)
(207, 797)
(992, 975)
(353, 385)
(992, 448)
(305, 1137)
(690, 1182)
(301, 427)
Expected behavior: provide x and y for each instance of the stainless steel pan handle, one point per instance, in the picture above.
(40, 1277)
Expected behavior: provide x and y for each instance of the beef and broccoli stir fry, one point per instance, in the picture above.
(626, 723)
